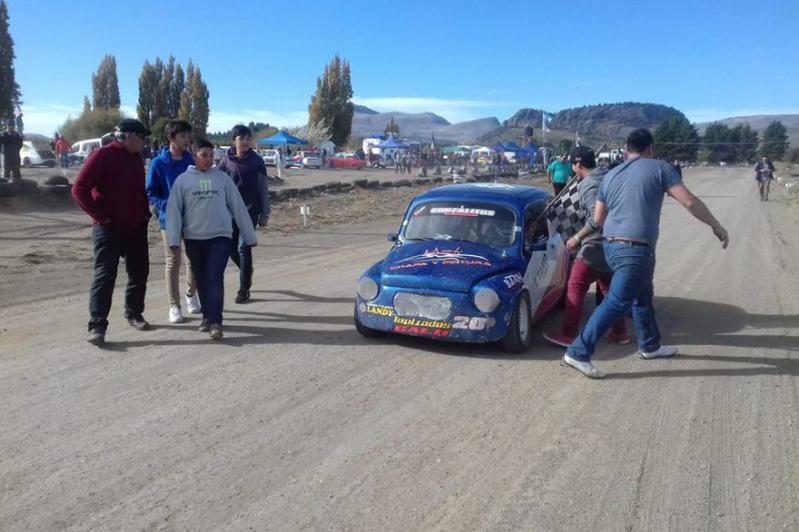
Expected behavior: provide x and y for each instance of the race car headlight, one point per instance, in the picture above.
(486, 300)
(367, 288)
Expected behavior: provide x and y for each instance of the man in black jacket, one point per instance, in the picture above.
(764, 173)
(248, 171)
(11, 141)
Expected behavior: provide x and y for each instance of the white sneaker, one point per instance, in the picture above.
(586, 368)
(664, 351)
(193, 304)
(175, 316)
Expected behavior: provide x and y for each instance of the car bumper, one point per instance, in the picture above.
(464, 323)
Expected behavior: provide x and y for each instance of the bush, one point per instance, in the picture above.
(91, 124)
(792, 156)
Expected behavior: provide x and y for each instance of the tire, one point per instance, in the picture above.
(57, 180)
(50, 164)
(363, 330)
(360, 168)
(519, 336)
(26, 162)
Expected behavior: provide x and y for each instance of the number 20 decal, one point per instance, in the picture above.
(471, 323)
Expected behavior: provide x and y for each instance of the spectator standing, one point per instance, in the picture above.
(628, 208)
(589, 266)
(248, 172)
(11, 141)
(201, 207)
(110, 189)
(165, 168)
(62, 148)
(764, 173)
(558, 173)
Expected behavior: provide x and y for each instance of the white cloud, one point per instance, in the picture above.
(452, 110)
(46, 118)
(712, 114)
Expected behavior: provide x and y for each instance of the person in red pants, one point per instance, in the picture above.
(589, 266)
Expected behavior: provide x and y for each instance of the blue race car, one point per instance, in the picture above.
(471, 263)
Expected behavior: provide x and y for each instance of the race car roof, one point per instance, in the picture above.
(518, 195)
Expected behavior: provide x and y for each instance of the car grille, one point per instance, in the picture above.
(430, 307)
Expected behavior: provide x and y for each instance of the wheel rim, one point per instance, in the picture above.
(524, 319)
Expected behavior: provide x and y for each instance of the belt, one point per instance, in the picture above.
(627, 242)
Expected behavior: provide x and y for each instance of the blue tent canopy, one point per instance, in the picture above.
(512, 146)
(392, 143)
(498, 147)
(282, 138)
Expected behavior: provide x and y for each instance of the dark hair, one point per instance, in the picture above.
(240, 131)
(200, 144)
(639, 140)
(173, 127)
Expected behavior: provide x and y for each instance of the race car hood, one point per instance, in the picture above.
(442, 265)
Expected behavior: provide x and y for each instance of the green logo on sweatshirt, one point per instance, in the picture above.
(205, 185)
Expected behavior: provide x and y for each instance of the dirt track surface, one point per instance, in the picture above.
(295, 422)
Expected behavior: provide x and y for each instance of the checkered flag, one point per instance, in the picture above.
(564, 215)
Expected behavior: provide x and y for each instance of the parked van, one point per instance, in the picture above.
(81, 149)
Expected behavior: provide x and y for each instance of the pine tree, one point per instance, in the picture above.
(105, 84)
(9, 89)
(676, 139)
(87, 106)
(775, 141)
(332, 102)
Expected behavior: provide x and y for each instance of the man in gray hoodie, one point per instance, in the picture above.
(202, 205)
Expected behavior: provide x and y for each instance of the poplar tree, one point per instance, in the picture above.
(9, 89)
(105, 84)
(148, 86)
(332, 102)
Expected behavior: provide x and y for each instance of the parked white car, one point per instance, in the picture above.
(306, 159)
(31, 155)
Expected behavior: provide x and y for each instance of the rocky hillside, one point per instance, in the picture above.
(419, 126)
(595, 123)
(613, 120)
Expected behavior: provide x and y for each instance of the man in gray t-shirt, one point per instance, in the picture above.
(628, 208)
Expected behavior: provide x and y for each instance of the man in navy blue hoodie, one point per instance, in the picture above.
(164, 170)
(248, 171)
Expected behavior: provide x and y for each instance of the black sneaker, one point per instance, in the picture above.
(215, 331)
(138, 323)
(204, 325)
(96, 337)
(243, 296)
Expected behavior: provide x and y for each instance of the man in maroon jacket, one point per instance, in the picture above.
(110, 189)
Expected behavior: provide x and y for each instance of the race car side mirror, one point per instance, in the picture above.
(392, 237)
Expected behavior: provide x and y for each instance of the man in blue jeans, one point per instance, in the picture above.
(628, 208)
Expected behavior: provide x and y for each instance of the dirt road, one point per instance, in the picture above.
(295, 422)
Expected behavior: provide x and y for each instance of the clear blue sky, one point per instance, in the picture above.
(461, 59)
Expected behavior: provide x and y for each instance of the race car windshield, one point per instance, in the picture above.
(481, 223)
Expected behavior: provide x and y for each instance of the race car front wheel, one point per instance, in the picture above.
(518, 338)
